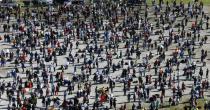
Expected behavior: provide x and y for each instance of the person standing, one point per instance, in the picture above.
(129, 96)
(115, 102)
(207, 73)
(110, 102)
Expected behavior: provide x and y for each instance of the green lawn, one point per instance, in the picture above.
(183, 103)
(200, 105)
(206, 2)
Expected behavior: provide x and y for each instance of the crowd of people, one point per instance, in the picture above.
(104, 55)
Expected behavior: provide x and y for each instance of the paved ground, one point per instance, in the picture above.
(118, 90)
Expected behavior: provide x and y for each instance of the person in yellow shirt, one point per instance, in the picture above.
(14, 42)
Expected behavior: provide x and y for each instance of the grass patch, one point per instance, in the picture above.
(200, 105)
(206, 2)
